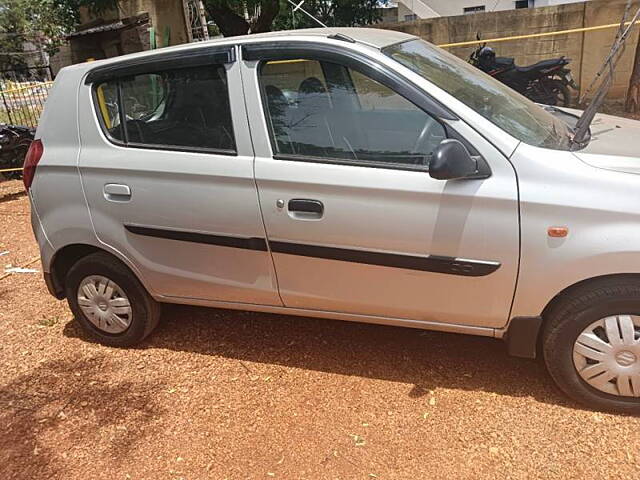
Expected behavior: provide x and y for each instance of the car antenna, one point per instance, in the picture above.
(608, 67)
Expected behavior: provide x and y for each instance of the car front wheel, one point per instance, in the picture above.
(591, 344)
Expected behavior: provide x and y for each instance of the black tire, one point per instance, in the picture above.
(561, 92)
(568, 317)
(145, 311)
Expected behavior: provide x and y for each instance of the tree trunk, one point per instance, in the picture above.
(269, 10)
(229, 22)
(632, 103)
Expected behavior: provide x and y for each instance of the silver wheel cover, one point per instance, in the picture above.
(607, 355)
(104, 304)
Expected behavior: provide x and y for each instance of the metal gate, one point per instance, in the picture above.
(23, 92)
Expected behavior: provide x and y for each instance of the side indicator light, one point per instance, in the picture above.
(558, 232)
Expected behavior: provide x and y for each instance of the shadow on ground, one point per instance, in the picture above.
(12, 196)
(73, 400)
(425, 360)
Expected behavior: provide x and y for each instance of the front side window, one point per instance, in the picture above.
(183, 108)
(327, 111)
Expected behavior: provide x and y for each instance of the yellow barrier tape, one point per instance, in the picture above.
(278, 62)
(532, 35)
(14, 90)
(11, 170)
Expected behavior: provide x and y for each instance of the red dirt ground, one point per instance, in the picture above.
(223, 394)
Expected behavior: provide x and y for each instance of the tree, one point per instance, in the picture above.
(632, 103)
(12, 26)
(238, 17)
(333, 13)
(41, 22)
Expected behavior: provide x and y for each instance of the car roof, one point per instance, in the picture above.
(372, 37)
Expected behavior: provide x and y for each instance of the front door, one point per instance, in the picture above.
(354, 222)
(167, 167)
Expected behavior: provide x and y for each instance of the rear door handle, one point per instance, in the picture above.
(304, 208)
(117, 192)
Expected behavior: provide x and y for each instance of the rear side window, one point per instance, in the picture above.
(178, 109)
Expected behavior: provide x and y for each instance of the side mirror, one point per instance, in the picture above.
(451, 160)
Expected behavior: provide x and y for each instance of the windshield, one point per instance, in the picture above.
(496, 102)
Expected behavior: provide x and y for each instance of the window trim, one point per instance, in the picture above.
(273, 51)
(290, 51)
(153, 146)
(351, 163)
(162, 61)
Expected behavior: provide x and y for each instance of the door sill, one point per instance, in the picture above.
(351, 317)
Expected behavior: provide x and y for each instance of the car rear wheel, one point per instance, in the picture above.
(109, 302)
(591, 344)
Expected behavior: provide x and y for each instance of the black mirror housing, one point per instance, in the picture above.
(451, 160)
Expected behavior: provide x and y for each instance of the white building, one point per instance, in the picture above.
(415, 9)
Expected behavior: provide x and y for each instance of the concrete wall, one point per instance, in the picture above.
(61, 58)
(87, 16)
(586, 49)
(421, 8)
(389, 14)
(446, 8)
(167, 17)
(596, 45)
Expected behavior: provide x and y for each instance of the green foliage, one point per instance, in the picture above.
(41, 22)
(11, 21)
(231, 16)
(333, 13)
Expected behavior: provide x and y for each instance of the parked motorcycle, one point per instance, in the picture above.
(14, 143)
(548, 82)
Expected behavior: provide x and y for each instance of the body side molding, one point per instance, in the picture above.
(430, 263)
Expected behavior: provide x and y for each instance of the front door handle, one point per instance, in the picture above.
(117, 192)
(305, 209)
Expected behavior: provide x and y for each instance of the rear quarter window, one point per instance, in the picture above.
(184, 108)
(107, 100)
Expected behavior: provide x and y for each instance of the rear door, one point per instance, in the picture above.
(354, 222)
(167, 167)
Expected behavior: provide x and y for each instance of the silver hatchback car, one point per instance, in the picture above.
(354, 174)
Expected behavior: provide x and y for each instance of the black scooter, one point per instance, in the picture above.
(14, 143)
(547, 82)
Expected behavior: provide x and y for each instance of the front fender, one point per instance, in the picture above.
(600, 208)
